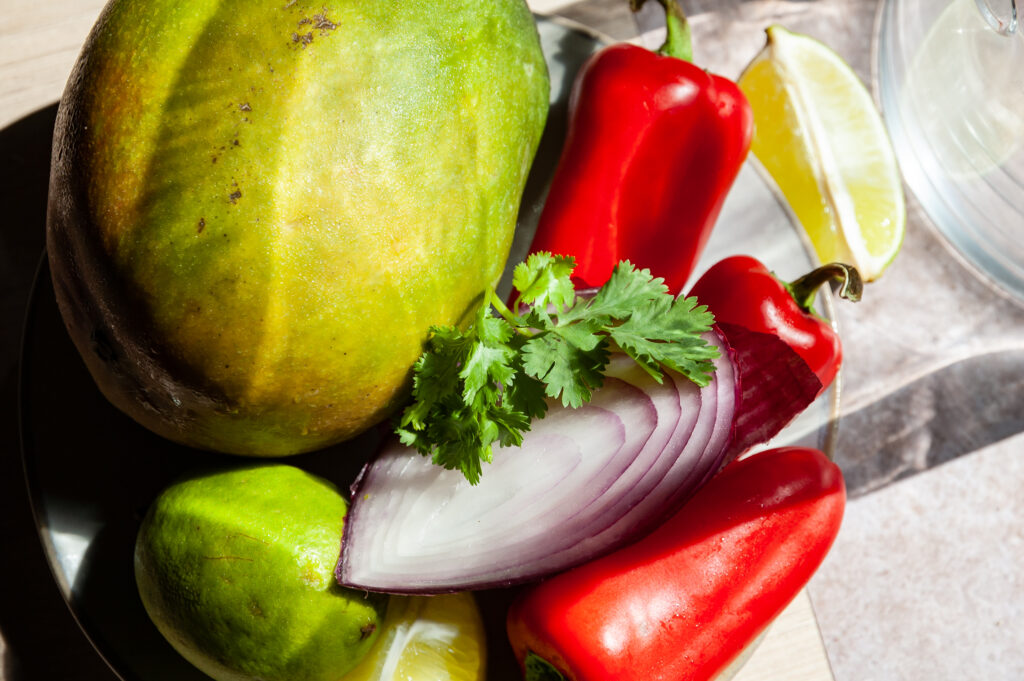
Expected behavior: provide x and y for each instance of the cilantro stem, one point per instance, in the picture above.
(499, 305)
(508, 315)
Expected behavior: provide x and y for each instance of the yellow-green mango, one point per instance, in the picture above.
(259, 207)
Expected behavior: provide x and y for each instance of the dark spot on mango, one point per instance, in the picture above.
(202, 221)
(102, 346)
(321, 22)
(367, 631)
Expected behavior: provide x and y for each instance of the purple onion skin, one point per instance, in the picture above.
(776, 385)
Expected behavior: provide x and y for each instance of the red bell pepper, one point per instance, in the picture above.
(685, 600)
(743, 291)
(654, 143)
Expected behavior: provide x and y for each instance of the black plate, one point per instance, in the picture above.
(92, 471)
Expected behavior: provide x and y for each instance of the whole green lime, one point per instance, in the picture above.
(236, 569)
(258, 208)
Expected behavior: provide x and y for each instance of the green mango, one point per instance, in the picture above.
(258, 208)
(235, 567)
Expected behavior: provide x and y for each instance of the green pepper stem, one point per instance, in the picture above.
(678, 36)
(805, 289)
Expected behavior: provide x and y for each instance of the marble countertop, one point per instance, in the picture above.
(925, 580)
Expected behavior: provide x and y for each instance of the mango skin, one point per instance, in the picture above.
(258, 209)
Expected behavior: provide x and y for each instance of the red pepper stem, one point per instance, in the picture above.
(805, 289)
(678, 36)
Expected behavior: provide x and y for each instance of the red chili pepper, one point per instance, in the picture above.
(741, 290)
(684, 601)
(654, 144)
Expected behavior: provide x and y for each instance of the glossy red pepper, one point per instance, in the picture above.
(741, 290)
(684, 601)
(654, 144)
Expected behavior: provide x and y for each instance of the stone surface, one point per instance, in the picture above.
(925, 580)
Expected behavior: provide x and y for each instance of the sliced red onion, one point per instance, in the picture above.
(701, 455)
(584, 482)
(508, 502)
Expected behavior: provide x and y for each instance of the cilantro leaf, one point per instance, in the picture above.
(568, 371)
(545, 279)
(626, 290)
(483, 385)
(526, 396)
(487, 364)
(667, 332)
(435, 374)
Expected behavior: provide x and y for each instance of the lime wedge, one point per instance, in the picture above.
(821, 138)
(427, 638)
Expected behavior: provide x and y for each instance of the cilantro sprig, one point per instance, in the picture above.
(484, 384)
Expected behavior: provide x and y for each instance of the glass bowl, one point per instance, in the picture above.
(951, 85)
